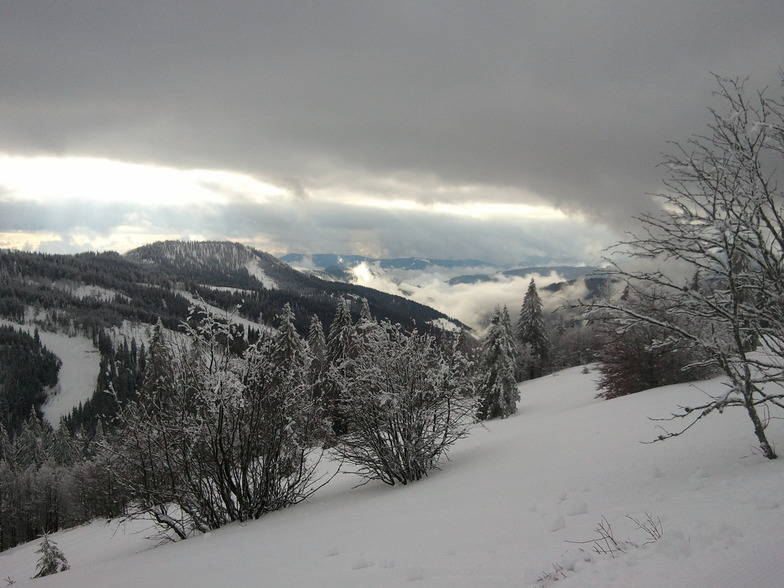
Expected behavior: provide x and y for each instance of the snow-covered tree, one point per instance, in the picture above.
(368, 331)
(342, 348)
(532, 332)
(341, 341)
(31, 444)
(497, 388)
(317, 347)
(64, 450)
(52, 559)
(723, 221)
(288, 350)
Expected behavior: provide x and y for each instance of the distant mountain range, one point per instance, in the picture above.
(336, 266)
(566, 273)
(161, 280)
(468, 288)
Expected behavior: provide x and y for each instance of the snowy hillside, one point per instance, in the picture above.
(78, 373)
(511, 506)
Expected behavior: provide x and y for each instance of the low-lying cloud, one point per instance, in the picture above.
(470, 303)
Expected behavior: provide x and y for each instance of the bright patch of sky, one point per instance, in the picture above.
(69, 204)
(45, 179)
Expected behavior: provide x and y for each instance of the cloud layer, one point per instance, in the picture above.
(470, 303)
(563, 104)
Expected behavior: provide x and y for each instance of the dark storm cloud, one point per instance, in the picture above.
(572, 101)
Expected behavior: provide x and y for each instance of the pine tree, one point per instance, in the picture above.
(64, 449)
(158, 376)
(288, 356)
(532, 333)
(288, 350)
(498, 393)
(30, 449)
(7, 448)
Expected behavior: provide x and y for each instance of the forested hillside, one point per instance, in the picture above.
(58, 474)
(95, 293)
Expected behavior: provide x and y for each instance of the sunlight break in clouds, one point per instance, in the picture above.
(44, 179)
(72, 204)
(478, 210)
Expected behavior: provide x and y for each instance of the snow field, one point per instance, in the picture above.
(515, 497)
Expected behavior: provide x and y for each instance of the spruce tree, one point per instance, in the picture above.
(317, 347)
(7, 448)
(498, 393)
(341, 342)
(52, 560)
(532, 333)
(288, 350)
(368, 332)
(342, 349)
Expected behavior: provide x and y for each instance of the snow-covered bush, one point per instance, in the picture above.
(639, 356)
(406, 401)
(217, 436)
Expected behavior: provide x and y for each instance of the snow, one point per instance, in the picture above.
(236, 319)
(445, 325)
(255, 270)
(516, 499)
(78, 373)
(83, 291)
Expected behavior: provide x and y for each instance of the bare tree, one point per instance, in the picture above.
(723, 223)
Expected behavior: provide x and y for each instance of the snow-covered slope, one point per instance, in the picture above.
(509, 505)
(78, 372)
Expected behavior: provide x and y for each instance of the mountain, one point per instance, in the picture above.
(521, 502)
(325, 260)
(160, 280)
(232, 266)
(337, 265)
(105, 304)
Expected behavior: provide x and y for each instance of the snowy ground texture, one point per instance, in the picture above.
(505, 511)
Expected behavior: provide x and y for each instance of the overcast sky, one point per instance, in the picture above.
(485, 130)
